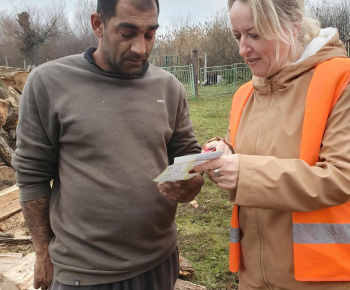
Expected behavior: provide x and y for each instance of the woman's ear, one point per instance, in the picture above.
(97, 24)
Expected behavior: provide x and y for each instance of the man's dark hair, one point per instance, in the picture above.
(107, 8)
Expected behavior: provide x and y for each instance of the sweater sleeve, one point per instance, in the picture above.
(183, 140)
(36, 157)
(291, 184)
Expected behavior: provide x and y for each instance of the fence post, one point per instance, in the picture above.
(195, 71)
(6, 61)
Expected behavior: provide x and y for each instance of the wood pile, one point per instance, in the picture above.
(11, 87)
(16, 272)
(16, 269)
(9, 202)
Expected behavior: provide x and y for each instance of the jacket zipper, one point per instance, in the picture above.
(272, 99)
(257, 211)
(261, 253)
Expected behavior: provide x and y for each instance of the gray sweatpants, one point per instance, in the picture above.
(162, 277)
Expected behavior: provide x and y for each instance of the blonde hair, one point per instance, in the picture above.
(279, 19)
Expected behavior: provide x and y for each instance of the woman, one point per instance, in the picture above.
(283, 198)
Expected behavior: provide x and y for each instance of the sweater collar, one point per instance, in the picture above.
(88, 56)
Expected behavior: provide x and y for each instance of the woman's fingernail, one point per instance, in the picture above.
(192, 171)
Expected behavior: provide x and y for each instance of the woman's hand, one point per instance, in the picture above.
(224, 171)
(218, 145)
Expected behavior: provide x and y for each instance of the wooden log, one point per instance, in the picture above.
(7, 177)
(5, 235)
(11, 134)
(10, 95)
(9, 202)
(11, 120)
(7, 260)
(9, 102)
(15, 80)
(6, 151)
(186, 269)
(16, 240)
(6, 70)
(185, 285)
(14, 98)
(4, 106)
(20, 276)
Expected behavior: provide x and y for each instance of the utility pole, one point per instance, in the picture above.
(195, 71)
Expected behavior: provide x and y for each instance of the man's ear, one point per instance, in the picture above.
(97, 24)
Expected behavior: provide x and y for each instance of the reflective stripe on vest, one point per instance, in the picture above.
(321, 239)
(235, 239)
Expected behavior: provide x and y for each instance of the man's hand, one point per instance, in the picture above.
(36, 215)
(182, 190)
(43, 271)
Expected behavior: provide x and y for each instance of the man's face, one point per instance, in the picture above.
(128, 38)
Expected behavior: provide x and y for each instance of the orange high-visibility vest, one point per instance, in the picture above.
(321, 239)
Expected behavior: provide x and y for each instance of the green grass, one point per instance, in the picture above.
(217, 90)
(204, 232)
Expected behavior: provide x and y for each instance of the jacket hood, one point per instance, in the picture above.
(323, 47)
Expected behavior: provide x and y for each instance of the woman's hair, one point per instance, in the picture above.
(278, 19)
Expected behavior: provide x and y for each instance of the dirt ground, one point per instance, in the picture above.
(15, 225)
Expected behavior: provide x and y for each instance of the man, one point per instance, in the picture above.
(102, 125)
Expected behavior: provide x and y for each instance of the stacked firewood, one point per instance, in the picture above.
(11, 86)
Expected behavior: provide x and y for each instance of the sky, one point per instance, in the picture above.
(170, 10)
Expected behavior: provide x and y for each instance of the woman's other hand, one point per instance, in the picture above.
(224, 171)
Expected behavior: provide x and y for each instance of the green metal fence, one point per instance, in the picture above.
(185, 75)
(222, 80)
(212, 81)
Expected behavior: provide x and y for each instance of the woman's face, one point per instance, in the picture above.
(258, 53)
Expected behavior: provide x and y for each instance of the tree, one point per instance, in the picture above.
(82, 23)
(219, 43)
(213, 38)
(38, 25)
(9, 52)
(333, 13)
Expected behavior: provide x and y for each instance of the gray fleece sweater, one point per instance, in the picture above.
(102, 139)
